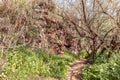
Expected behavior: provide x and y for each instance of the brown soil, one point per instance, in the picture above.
(75, 68)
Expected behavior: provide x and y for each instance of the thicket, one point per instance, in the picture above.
(44, 25)
(36, 23)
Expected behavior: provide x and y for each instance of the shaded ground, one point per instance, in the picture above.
(75, 69)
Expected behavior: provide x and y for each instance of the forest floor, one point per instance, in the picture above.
(75, 69)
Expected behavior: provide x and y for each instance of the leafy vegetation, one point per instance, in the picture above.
(23, 62)
(20, 63)
(104, 68)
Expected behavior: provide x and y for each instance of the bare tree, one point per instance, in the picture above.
(95, 22)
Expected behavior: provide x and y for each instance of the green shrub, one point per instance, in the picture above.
(101, 58)
(82, 54)
(21, 63)
(103, 69)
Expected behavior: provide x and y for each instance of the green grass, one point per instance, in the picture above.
(55, 65)
(21, 63)
(104, 68)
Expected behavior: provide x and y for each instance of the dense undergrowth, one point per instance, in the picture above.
(104, 68)
(21, 63)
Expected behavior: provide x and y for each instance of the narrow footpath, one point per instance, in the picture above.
(75, 68)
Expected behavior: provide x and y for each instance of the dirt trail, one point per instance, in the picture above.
(75, 69)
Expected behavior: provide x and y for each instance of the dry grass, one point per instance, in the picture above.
(17, 23)
(33, 23)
